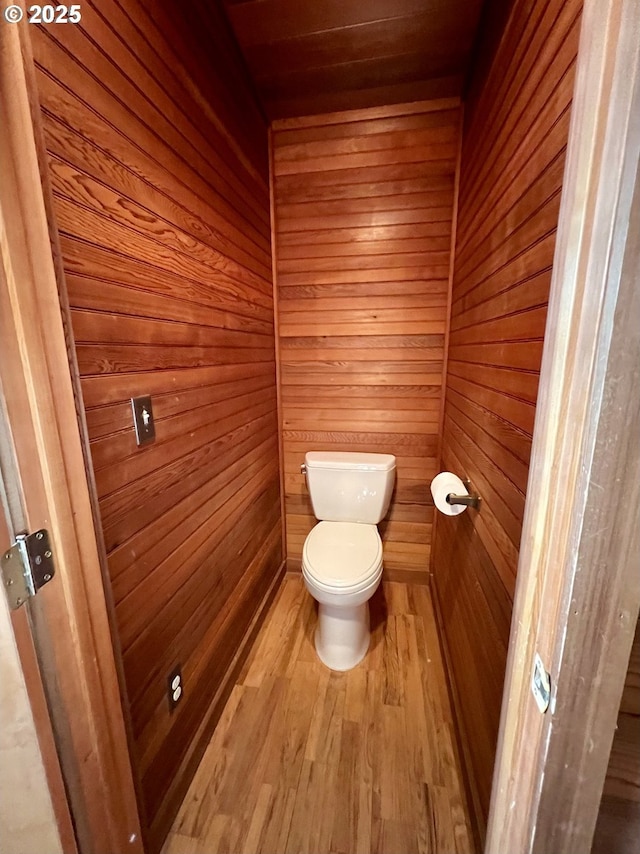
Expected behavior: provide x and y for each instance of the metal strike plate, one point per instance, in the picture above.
(540, 684)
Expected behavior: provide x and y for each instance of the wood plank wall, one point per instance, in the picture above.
(514, 139)
(363, 210)
(160, 179)
(314, 58)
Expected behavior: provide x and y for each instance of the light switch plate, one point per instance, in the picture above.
(143, 419)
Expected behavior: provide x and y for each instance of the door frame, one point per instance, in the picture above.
(578, 586)
(68, 619)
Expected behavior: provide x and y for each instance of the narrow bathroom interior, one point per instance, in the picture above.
(293, 228)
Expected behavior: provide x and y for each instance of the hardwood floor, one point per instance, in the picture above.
(308, 760)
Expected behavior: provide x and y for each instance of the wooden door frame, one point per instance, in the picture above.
(578, 588)
(69, 620)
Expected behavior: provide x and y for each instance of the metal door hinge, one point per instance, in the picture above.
(26, 567)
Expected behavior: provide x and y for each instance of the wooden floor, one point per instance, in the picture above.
(308, 760)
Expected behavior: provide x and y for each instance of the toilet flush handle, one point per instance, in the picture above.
(303, 469)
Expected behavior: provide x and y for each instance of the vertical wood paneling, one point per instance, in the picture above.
(363, 206)
(160, 181)
(516, 128)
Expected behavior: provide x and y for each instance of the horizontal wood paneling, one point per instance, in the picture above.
(516, 128)
(364, 204)
(313, 58)
(159, 173)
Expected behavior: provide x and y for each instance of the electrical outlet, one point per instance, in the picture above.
(174, 687)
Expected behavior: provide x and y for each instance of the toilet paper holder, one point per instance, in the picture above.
(468, 500)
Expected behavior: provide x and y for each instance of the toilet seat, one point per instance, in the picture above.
(342, 556)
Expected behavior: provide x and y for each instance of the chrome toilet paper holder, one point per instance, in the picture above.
(470, 500)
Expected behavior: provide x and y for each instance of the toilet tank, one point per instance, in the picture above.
(346, 487)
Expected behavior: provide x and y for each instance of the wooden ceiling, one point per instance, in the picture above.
(318, 56)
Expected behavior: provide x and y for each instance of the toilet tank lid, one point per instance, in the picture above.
(347, 460)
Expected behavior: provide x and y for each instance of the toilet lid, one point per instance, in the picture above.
(341, 554)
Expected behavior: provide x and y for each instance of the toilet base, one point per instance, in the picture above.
(342, 635)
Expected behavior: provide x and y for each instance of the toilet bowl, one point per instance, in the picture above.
(342, 568)
(342, 555)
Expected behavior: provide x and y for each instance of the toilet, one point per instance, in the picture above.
(342, 555)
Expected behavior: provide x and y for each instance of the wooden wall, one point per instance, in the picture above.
(160, 179)
(514, 138)
(363, 218)
(313, 58)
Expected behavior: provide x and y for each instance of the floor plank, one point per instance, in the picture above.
(308, 760)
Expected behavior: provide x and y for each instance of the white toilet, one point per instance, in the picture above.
(342, 556)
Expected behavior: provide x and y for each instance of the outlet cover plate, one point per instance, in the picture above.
(175, 688)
